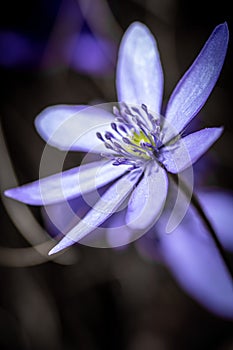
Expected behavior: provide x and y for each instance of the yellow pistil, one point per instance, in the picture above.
(141, 137)
(137, 140)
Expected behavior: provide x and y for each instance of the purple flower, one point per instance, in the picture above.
(138, 146)
(191, 254)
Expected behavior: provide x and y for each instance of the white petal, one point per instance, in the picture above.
(189, 149)
(105, 207)
(139, 71)
(148, 198)
(197, 83)
(74, 127)
(68, 184)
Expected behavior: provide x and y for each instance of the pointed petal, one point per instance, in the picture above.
(73, 127)
(147, 200)
(218, 205)
(196, 85)
(139, 72)
(189, 149)
(104, 208)
(196, 264)
(68, 184)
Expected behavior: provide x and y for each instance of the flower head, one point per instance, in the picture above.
(139, 147)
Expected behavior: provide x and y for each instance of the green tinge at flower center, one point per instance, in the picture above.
(138, 142)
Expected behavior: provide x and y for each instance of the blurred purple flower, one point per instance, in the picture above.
(89, 53)
(71, 43)
(16, 50)
(139, 145)
(191, 254)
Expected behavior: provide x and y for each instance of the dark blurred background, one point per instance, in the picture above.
(96, 299)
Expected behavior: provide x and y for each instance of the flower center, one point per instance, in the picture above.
(135, 136)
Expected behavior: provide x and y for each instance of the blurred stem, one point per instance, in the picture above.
(195, 202)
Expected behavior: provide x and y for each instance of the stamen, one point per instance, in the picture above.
(107, 145)
(127, 141)
(113, 126)
(109, 135)
(122, 128)
(135, 138)
(98, 134)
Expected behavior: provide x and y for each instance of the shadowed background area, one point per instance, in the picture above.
(64, 52)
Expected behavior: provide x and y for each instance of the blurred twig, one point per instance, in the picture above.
(25, 223)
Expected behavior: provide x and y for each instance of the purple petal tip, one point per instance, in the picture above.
(224, 28)
(9, 193)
